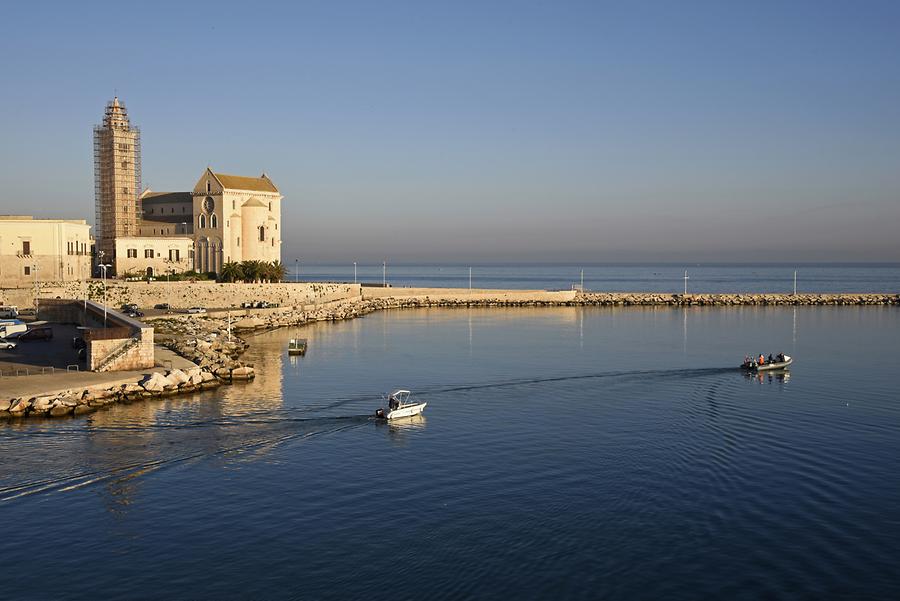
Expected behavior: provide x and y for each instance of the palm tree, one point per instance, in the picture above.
(252, 270)
(277, 271)
(232, 272)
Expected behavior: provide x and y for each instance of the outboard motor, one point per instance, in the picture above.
(379, 413)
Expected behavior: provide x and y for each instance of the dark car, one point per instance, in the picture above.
(36, 334)
(129, 308)
(135, 313)
(164, 306)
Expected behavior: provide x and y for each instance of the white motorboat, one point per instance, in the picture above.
(400, 405)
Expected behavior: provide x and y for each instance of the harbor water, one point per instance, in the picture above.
(565, 453)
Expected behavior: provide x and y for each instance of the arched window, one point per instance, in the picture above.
(213, 221)
(202, 221)
(270, 205)
(207, 186)
(262, 234)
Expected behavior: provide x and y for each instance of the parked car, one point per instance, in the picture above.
(36, 334)
(7, 344)
(135, 313)
(164, 306)
(129, 308)
(196, 310)
(9, 312)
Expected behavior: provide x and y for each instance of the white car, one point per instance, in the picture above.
(196, 310)
(6, 344)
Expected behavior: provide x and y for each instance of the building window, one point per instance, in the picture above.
(276, 227)
(174, 254)
(27, 270)
(132, 253)
(273, 241)
(239, 241)
(227, 223)
(262, 234)
(207, 186)
(148, 253)
(202, 219)
(232, 204)
(213, 221)
(270, 205)
(26, 247)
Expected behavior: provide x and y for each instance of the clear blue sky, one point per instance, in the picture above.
(483, 131)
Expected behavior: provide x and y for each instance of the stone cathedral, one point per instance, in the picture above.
(225, 218)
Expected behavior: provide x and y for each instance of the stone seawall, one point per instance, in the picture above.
(185, 294)
(729, 300)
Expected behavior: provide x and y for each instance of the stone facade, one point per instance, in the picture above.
(230, 218)
(59, 249)
(154, 257)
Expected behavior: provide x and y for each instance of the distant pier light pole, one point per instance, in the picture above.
(470, 278)
(103, 267)
(354, 272)
(582, 279)
(795, 282)
(296, 270)
(686, 278)
(384, 274)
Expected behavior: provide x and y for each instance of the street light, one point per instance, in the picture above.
(296, 270)
(384, 274)
(354, 272)
(103, 267)
(34, 269)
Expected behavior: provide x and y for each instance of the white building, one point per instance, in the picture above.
(56, 250)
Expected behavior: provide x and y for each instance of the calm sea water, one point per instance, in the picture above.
(574, 453)
(876, 277)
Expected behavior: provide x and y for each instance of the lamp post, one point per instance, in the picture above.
(795, 282)
(384, 274)
(34, 270)
(296, 270)
(103, 267)
(354, 272)
(686, 278)
(470, 278)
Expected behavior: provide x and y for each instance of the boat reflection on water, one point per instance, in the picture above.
(401, 430)
(768, 377)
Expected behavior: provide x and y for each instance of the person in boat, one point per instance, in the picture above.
(771, 360)
(393, 403)
(747, 360)
(780, 357)
(762, 359)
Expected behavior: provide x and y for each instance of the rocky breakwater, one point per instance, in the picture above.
(87, 400)
(724, 300)
(206, 342)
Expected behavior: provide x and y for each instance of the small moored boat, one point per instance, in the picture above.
(297, 346)
(780, 362)
(400, 405)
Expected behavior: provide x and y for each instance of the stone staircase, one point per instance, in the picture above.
(118, 353)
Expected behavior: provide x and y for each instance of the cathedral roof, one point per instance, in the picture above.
(240, 182)
(255, 202)
(150, 197)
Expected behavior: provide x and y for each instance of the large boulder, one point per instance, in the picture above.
(42, 404)
(155, 382)
(59, 409)
(6, 404)
(243, 373)
(20, 406)
(177, 377)
(249, 323)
